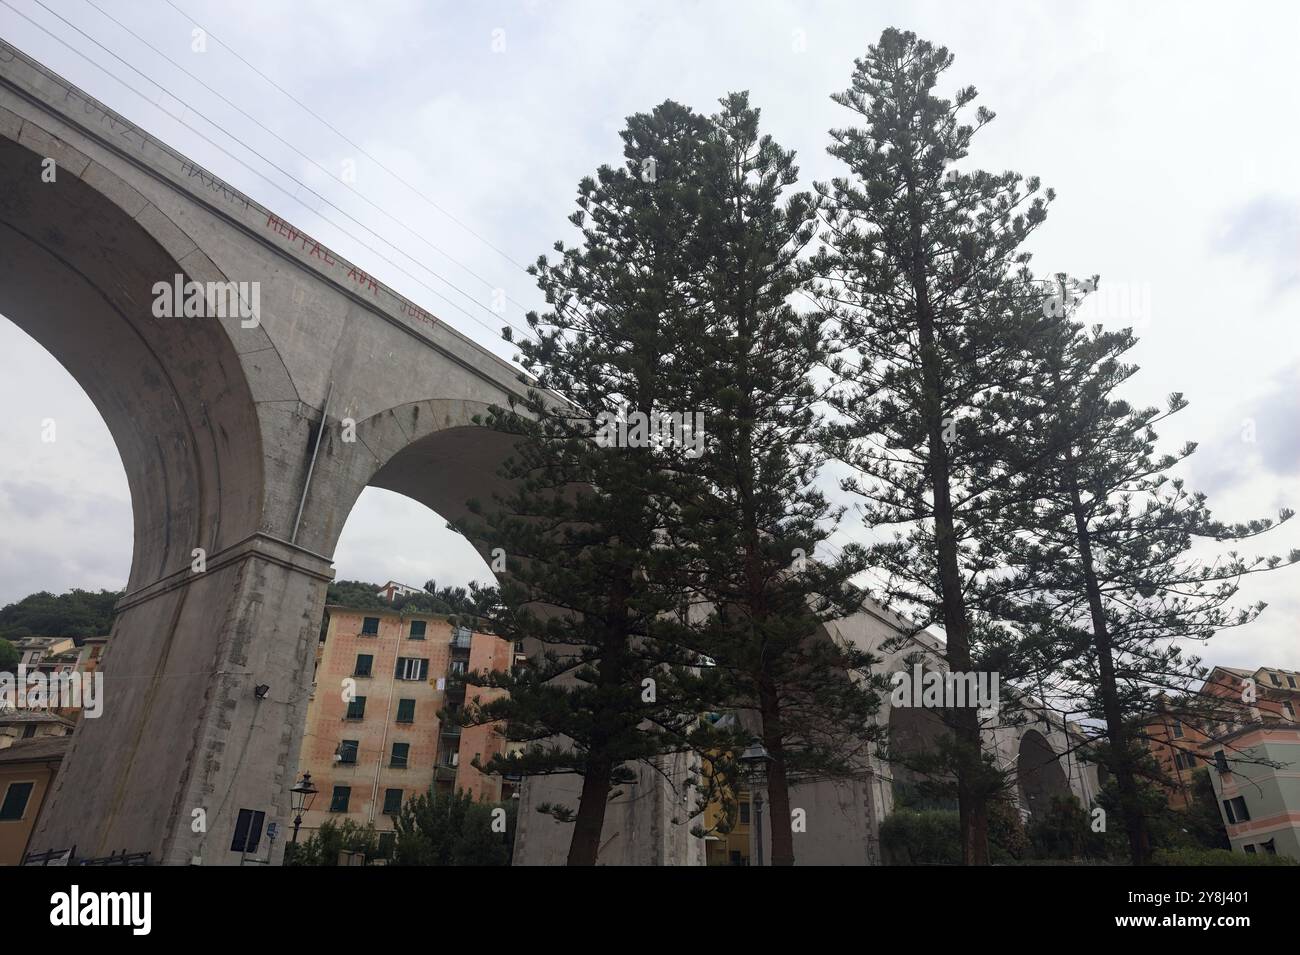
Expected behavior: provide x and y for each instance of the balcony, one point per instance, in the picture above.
(451, 729)
(444, 773)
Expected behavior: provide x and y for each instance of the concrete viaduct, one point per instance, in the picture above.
(235, 439)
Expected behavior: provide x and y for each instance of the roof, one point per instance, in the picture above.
(33, 716)
(36, 749)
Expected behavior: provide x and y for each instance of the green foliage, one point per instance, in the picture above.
(581, 522)
(453, 602)
(1203, 820)
(325, 844)
(9, 655)
(1065, 832)
(78, 614)
(921, 837)
(933, 837)
(922, 260)
(441, 829)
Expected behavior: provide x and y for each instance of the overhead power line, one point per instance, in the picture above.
(229, 102)
(495, 331)
(345, 138)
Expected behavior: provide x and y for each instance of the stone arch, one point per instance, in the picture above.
(1039, 775)
(914, 732)
(79, 258)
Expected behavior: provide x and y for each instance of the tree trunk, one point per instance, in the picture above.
(1139, 839)
(971, 800)
(778, 788)
(591, 814)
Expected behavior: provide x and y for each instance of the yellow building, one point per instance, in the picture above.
(27, 770)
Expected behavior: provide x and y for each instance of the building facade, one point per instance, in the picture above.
(374, 736)
(27, 769)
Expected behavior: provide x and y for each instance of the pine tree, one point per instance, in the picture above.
(753, 518)
(587, 579)
(923, 268)
(1100, 539)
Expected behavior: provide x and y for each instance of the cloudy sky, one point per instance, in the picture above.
(1168, 131)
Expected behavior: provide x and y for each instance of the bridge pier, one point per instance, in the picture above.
(184, 742)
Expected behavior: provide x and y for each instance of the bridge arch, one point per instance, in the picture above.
(207, 672)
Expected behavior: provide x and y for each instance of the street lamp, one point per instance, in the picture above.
(302, 794)
(753, 763)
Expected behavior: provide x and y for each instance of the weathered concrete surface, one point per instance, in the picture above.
(215, 423)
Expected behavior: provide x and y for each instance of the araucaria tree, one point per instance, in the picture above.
(1100, 545)
(581, 527)
(751, 518)
(924, 269)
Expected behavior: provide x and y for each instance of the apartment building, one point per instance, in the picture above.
(374, 738)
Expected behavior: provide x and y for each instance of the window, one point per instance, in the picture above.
(1276, 681)
(457, 667)
(417, 629)
(1221, 763)
(392, 802)
(1236, 809)
(357, 709)
(29, 731)
(1269, 847)
(400, 752)
(1290, 713)
(248, 831)
(15, 803)
(1178, 730)
(1249, 850)
(744, 813)
(348, 750)
(406, 711)
(364, 662)
(1290, 681)
(370, 627)
(412, 668)
(339, 802)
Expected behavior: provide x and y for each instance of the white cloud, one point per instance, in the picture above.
(1163, 126)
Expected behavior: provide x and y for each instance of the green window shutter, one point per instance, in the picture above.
(392, 801)
(400, 752)
(15, 803)
(339, 802)
(406, 711)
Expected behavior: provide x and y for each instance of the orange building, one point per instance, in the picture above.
(1182, 746)
(374, 737)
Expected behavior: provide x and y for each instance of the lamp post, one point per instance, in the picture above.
(754, 761)
(302, 794)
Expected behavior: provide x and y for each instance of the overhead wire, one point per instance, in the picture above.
(495, 331)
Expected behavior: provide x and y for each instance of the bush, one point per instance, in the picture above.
(921, 837)
(329, 840)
